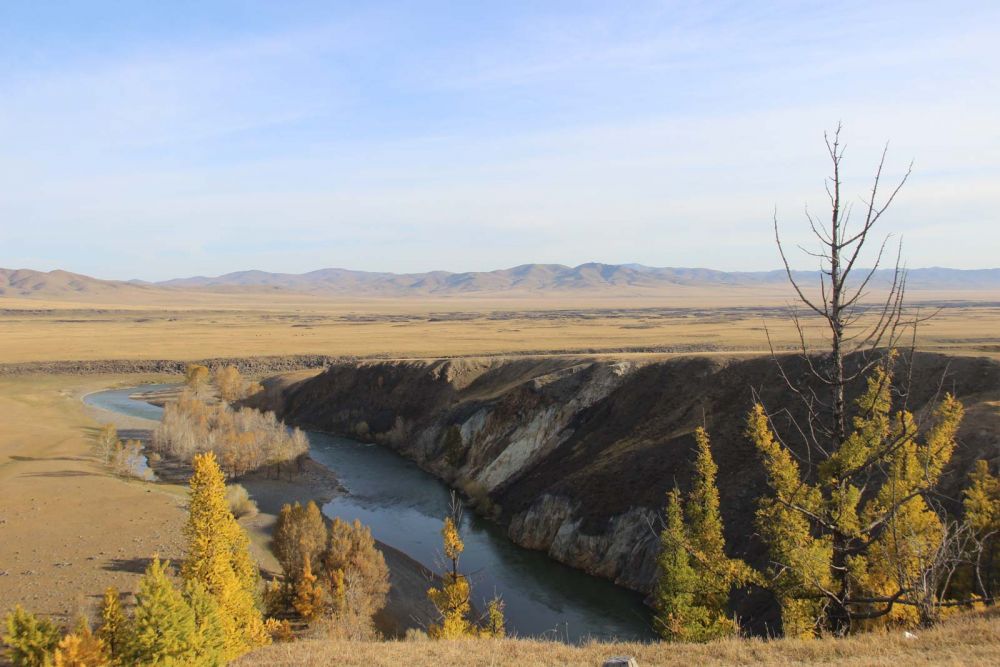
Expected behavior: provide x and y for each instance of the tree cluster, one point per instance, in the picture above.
(243, 440)
(332, 573)
(211, 618)
(126, 459)
(856, 533)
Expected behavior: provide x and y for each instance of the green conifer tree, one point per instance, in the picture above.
(208, 641)
(696, 576)
(31, 639)
(162, 626)
(982, 512)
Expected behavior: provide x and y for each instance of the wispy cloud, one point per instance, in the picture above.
(400, 139)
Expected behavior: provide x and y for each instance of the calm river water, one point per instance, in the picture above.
(404, 506)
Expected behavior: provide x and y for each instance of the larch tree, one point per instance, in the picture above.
(452, 599)
(162, 623)
(356, 574)
(494, 624)
(113, 629)
(849, 515)
(208, 640)
(981, 503)
(677, 616)
(30, 639)
(299, 533)
(851, 543)
(218, 558)
(82, 648)
(696, 576)
(309, 600)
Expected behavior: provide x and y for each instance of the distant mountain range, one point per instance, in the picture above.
(527, 278)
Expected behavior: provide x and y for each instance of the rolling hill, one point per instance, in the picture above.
(527, 279)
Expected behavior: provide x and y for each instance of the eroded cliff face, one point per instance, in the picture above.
(576, 455)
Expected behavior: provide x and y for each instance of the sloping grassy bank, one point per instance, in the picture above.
(969, 639)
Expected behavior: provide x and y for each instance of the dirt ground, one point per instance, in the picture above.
(68, 528)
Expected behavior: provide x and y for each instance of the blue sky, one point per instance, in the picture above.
(155, 140)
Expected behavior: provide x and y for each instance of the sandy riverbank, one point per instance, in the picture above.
(407, 605)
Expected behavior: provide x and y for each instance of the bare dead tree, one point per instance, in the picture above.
(938, 563)
(841, 305)
(863, 334)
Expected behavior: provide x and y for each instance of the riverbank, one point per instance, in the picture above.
(407, 605)
(68, 527)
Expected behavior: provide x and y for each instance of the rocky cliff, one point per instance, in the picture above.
(575, 455)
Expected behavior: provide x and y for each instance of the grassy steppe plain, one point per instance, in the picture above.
(704, 321)
(68, 528)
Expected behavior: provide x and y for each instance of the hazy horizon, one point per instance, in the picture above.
(181, 277)
(155, 142)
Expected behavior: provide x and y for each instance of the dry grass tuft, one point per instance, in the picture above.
(240, 502)
(965, 640)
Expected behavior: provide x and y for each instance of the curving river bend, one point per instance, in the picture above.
(404, 507)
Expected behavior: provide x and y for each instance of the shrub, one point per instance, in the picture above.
(454, 448)
(31, 639)
(480, 498)
(127, 459)
(240, 502)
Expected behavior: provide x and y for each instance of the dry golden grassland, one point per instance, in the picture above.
(258, 326)
(966, 640)
(68, 527)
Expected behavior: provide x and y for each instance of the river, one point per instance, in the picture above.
(404, 506)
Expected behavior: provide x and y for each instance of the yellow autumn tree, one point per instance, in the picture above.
(299, 533)
(105, 442)
(82, 648)
(357, 577)
(452, 599)
(852, 541)
(113, 629)
(494, 624)
(218, 558)
(231, 384)
(309, 597)
(196, 377)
